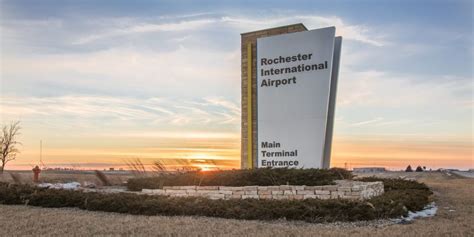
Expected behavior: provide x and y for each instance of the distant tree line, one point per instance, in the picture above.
(418, 169)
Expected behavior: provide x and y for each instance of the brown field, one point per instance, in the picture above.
(454, 196)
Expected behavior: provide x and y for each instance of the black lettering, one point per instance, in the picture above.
(277, 83)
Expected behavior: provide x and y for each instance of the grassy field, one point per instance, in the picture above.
(454, 196)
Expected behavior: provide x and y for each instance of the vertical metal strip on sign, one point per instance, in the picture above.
(332, 102)
(249, 107)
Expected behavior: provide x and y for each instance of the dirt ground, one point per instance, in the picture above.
(454, 196)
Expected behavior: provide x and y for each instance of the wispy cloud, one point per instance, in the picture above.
(147, 28)
(239, 23)
(361, 33)
(389, 90)
(112, 109)
(126, 70)
(368, 122)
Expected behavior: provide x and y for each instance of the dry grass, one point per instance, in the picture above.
(452, 193)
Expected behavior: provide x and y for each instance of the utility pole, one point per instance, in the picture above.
(41, 155)
(41, 151)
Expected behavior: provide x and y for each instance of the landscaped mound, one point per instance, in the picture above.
(411, 195)
(400, 197)
(237, 178)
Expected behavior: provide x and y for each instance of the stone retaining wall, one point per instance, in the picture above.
(343, 189)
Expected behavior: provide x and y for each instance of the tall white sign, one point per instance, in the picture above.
(294, 83)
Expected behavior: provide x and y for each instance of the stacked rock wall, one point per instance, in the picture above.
(343, 189)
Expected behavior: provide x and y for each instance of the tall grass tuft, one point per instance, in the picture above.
(136, 166)
(102, 178)
(158, 166)
(16, 178)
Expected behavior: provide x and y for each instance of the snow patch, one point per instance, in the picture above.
(429, 211)
(71, 185)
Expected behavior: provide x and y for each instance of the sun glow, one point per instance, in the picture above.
(205, 168)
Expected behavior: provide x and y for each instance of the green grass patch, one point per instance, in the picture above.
(235, 178)
(402, 197)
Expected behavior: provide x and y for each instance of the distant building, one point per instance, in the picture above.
(369, 169)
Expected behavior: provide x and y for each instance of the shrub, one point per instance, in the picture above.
(396, 184)
(400, 197)
(310, 210)
(14, 193)
(261, 177)
(57, 198)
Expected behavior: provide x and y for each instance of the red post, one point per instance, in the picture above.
(36, 172)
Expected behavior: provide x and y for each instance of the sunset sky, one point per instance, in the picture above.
(103, 82)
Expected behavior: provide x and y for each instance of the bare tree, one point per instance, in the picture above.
(9, 150)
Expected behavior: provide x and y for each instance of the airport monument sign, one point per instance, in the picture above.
(295, 82)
